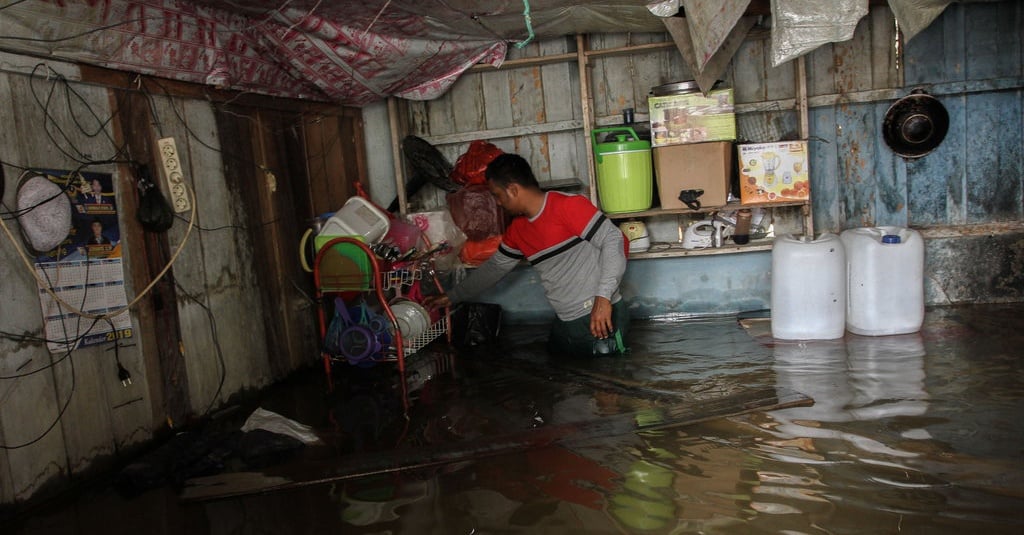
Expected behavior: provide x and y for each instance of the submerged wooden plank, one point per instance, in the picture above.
(356, 466)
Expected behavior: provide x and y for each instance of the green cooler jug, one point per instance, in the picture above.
(624, 179)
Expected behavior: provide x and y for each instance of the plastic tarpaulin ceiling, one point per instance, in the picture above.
(348, 52)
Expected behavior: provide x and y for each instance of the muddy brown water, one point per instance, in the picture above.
(917, 433)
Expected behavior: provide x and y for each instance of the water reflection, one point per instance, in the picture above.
(908, 434)
(859, 378)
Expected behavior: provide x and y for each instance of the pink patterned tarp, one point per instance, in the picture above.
(341, 51)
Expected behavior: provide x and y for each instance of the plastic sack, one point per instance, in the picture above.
(476, 213)
(799, 26)
(470, 167)
(915, 15)
(437, 227)
(275, 423)
(154, 214)
(476, 252)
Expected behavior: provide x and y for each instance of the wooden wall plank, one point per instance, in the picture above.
(853, 60)
(440, 117)
(190, 267)
(936, 182)
(826, 191)
(560, 88)
(610, 75)
(467, 99)
(938, 54)
(496, 88)
(749, 72)
(821, 71)
(527, 95)
(856, 171)
(994, 159)
(993, 46)
(887, 169)
(883, 41)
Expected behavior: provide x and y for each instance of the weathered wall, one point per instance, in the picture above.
(214, 326)
(970, 58)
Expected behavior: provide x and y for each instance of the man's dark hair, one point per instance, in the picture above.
(511, 169)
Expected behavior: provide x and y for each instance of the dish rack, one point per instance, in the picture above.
(346, 267)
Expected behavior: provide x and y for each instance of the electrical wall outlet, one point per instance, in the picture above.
(175, 178)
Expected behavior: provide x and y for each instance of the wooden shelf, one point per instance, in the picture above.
(705, 210)
(676, 250)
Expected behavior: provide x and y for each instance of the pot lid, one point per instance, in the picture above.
(675, 88)
(915, 124)
(624, 139)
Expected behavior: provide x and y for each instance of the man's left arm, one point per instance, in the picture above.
(612, 262)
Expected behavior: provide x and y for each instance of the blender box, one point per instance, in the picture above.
(692, 117)
(773, 172)
(696, 166)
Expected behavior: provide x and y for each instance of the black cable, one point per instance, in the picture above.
(122, 373)
(71, 362)
(12, 4)
(60, 414)
(223, 227)
(44, 105)
(216, 343)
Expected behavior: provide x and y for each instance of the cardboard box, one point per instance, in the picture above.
(704, 166)
(774, 172)
(692, 118)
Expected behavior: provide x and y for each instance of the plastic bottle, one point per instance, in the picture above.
(741, 235)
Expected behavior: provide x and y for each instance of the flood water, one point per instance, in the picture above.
(919, 433)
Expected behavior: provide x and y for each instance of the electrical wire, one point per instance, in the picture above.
(71, 391)
(216, 344)
(84, 161)
(78, 155)
(60, 413)
(27, 262)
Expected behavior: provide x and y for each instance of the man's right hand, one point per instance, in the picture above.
(437, 301)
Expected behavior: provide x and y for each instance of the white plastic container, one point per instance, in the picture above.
(808, 288)
(357, 217)
(885, 280)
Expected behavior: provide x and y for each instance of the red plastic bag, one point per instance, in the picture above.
(469, 168)
(476, 252)
(476, 213)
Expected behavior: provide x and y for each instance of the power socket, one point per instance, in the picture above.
(175, 178)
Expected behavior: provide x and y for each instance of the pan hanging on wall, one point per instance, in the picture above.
(915, 124)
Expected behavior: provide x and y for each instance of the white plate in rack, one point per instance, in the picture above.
(413, 320)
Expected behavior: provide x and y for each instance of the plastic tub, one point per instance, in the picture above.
(885, 280)
(357, 217)
(808, 288)
(624, 171)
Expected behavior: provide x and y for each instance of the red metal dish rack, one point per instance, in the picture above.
(346, 266)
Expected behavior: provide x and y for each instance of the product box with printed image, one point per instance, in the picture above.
(773, 172)
(696, 167)
(692, 117)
